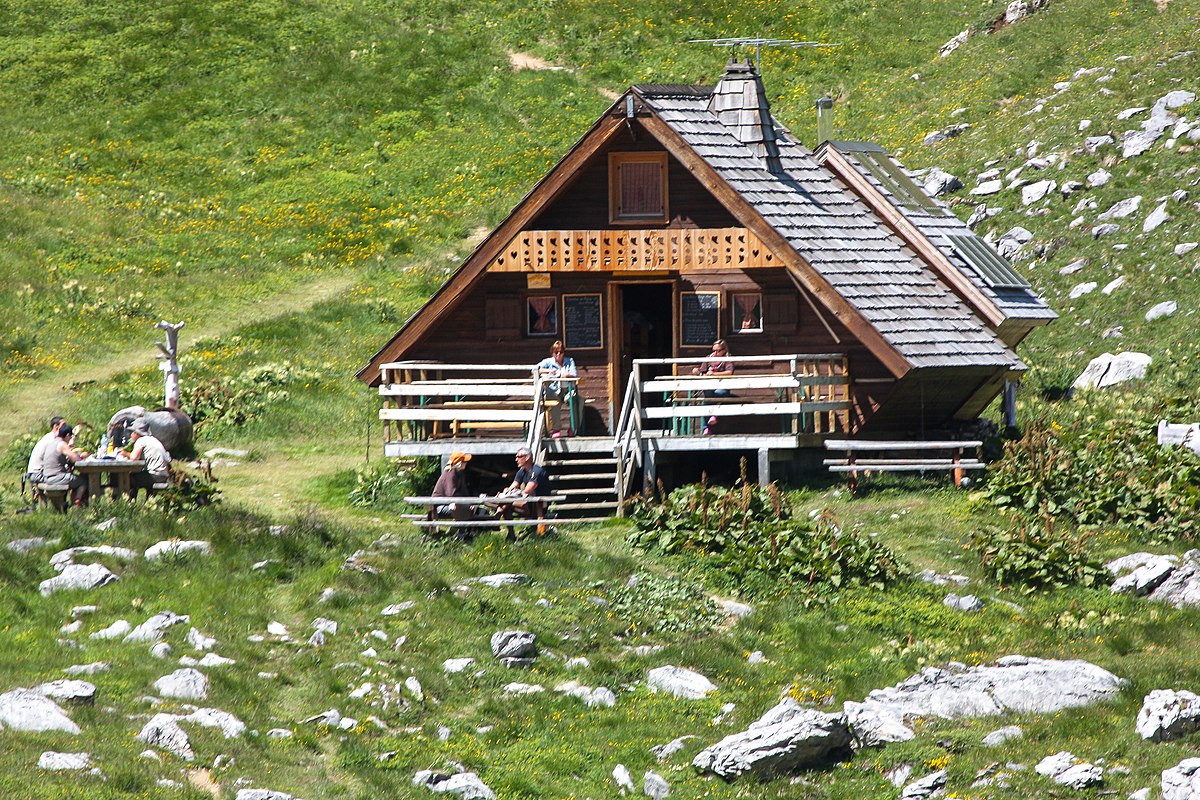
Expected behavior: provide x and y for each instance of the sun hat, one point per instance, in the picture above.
(140, 427)
(459, 458)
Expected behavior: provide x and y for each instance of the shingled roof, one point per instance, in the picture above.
(731, 129)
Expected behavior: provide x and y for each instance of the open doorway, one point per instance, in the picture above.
(644, 321)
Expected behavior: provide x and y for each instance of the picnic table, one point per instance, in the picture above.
(118, 468)
(490, 500)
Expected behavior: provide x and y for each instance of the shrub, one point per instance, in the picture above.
(235, 401)
(1032, 555)
(384, 486)
(187, 490)
(1094, 471)
(751, 540)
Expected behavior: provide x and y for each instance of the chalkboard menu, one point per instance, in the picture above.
(699, 313)
(583, 327)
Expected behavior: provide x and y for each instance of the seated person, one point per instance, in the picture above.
(557, 365)
(715, 366)
(33, 470)
(531, 480)
(147, 448)
(453, 483)
(58, 462)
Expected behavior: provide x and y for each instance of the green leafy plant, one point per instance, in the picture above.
(1031, 554)
(235, 401)
(751, 540)
(650, 603)
(187, 490)
(384, 486)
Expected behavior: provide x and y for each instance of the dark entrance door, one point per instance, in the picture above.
(645, 320)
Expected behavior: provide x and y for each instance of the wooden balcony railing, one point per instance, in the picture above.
(630, 250)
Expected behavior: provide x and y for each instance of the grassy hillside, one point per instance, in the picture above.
(293, 179)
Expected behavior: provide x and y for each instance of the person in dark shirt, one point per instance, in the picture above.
(453, 483)
(531, 480)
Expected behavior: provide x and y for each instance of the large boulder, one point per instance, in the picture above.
(785, 739)
(1013, 684)
(31, 711)
(1168, 714)
(1182, 587)
(170, 426)
(1108, 370)
(77, 576)
(1182, 781)
(679, 682)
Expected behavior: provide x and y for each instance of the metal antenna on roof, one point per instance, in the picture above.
(758, 43)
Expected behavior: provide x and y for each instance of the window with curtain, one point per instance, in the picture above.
(543, 315)
(637, 187)
(747, 313)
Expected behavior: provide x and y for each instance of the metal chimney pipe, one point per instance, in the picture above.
(824, 119)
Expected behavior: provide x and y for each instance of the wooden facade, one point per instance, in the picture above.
(667, 227)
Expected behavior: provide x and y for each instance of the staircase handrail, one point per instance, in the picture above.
(627, 438)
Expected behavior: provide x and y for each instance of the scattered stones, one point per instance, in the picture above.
(946, 579)
(1094, 143)
(1113, 285)
(397, 608)
(163, 732)
(733, 608)
(523, 688)
(466, 785)
(954, 43)
(174, 548)
(1168, 714)
(199, 641)
(64, 762)
(874, 726)
(599, 697)
(784, 739)
(183, 684)
(501, 579)
(514, 648)
(1037, 191)
(1185, 248)
(1013, 241)
(76, 577)
(1063, 769)
(65, 558)
(30, 711)
(113, 631)
(623, 779)
(1107, 370)
(1160, 310)
(680, 682)
(262, 794)
(26, 546)
(946, 133)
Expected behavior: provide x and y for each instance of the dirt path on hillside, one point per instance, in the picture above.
(24, 407)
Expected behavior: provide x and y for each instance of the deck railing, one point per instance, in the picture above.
(606, 250)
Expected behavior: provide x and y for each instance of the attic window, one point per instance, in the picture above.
(987, 263)
(637, 187)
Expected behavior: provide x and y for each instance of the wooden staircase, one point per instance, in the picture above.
(589, 482)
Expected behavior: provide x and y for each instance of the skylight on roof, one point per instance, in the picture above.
(994, 270)
(896, 182)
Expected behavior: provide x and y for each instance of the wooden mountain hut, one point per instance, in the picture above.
(853, 303)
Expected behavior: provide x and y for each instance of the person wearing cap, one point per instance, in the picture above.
(531, 479)
(59, 459)
(146, 447)
(453, 483)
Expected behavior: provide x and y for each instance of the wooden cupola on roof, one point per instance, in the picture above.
(740, 104)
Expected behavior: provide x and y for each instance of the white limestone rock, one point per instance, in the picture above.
(214, 660)
(30, 711)
(655, 786)
(1182, 781)
(1014, 683)
(77, 577)
(875, 726)
(1107, 370)
(64, 762)
(230, 726)
(786, 738)
(1037, 191)
(924, 787)
(679, 682)
(65, 558)
(152, 629)
(1168, 714)
(523, 688)
(199, 641)
(113, 631)
(75, 692)
(1122, 209)
(501, 579)
(1156, 218)
(397, 608)
(93, 668)
(1002, 735)
(663, 752)
(1113, 285)
(1079, 290)
(623, 779)
(262, 794)
(968, 603)
(598, 697)
(1146, 577)
(939, 182)
(173, 548)
(455, 665)
(514, 648)
(1182, 587)
(183, 684)
(163, 732)
(466, 785)
(1160, 310)
(1098, 178)
(986, 188)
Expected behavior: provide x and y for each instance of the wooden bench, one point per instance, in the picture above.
(431, 520)
(937, 456)
(52, 496)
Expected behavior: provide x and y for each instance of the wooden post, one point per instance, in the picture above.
(170, 364)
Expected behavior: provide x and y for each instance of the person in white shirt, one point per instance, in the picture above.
(33, 471)
(147, 448)
(557, 365)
